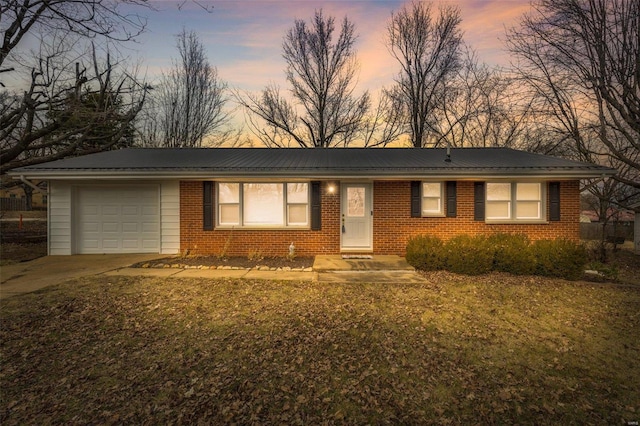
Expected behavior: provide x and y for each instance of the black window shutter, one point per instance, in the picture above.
(554, 201)
(316, 207)
(451, 199)
(207, 206)
(416, 199)
(478, 200)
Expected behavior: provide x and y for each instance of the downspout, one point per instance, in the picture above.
(32, 185)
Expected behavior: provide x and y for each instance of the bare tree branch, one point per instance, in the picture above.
(581, 61)
(192, 99)
(428, 51)
(321, 70)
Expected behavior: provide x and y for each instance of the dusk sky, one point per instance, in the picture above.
(243, 38)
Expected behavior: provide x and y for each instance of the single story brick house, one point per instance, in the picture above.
(325, 201)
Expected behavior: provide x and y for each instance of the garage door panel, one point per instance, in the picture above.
(149, 244)
(90, 226)
(130, 210)
(130, 244)
(89, 209)
(149, 210)
(110, 227)
(130, 227)
(110, 210)
(149, 227)
(118, 219)
(110, 244)
(91, 243)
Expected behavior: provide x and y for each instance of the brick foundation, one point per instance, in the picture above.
(392, 223)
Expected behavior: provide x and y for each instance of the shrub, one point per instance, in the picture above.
(469, 255)
(512, 254)
(426, 253)
(559, 258)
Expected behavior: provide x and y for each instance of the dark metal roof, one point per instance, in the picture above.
(310, 163)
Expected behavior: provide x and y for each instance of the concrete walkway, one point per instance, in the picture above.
(216, 273)
(378, 269)
(30, 276)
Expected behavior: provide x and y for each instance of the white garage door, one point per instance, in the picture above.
(117, 219)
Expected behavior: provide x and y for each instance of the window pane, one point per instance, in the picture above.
(431, 189)
(528, 191)
(355, 202)
(431, 205)
(498, 210)
(297, 193)
(229, 192)
(297, 214)
(229, 214)
(263, 203)
(528, 210)
(498, 191)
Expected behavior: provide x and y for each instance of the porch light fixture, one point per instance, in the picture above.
(331, 188)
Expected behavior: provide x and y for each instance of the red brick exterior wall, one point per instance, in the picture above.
(392, 223)
(241, 242)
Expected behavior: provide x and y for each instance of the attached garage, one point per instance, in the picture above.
(117, 219)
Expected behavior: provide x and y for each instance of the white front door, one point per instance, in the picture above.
(356, 216)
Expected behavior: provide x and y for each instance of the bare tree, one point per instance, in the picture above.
(428, 51)
(73, 99)
(192, 98)
(69, 108)
(480, 107)
(87, 18)
(321, 70)
(581, 61)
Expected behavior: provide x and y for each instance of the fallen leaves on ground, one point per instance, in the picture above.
(494, 349)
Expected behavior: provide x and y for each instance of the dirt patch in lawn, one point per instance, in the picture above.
(20, 243)
(457, 350)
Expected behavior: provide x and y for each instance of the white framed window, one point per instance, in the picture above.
(263, 204)
(528, 201)
(228, 203)
(498, 201)
(514, 201)
(432, 195)
(298, 204)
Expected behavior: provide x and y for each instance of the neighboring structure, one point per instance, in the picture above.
(235, 201)
(15, 198)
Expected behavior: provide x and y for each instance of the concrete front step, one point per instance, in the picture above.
(327, 263)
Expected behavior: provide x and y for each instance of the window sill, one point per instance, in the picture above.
(434, 215)
(515, 222)
(262, 228)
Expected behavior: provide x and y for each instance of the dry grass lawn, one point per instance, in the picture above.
(482, 350)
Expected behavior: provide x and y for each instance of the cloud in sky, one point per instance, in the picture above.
(243, 38)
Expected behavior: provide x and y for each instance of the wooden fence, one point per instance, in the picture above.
(593, 231)
(13, 204)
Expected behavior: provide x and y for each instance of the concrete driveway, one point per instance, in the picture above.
(30, 276)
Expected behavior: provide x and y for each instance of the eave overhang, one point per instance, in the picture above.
(368, 174)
